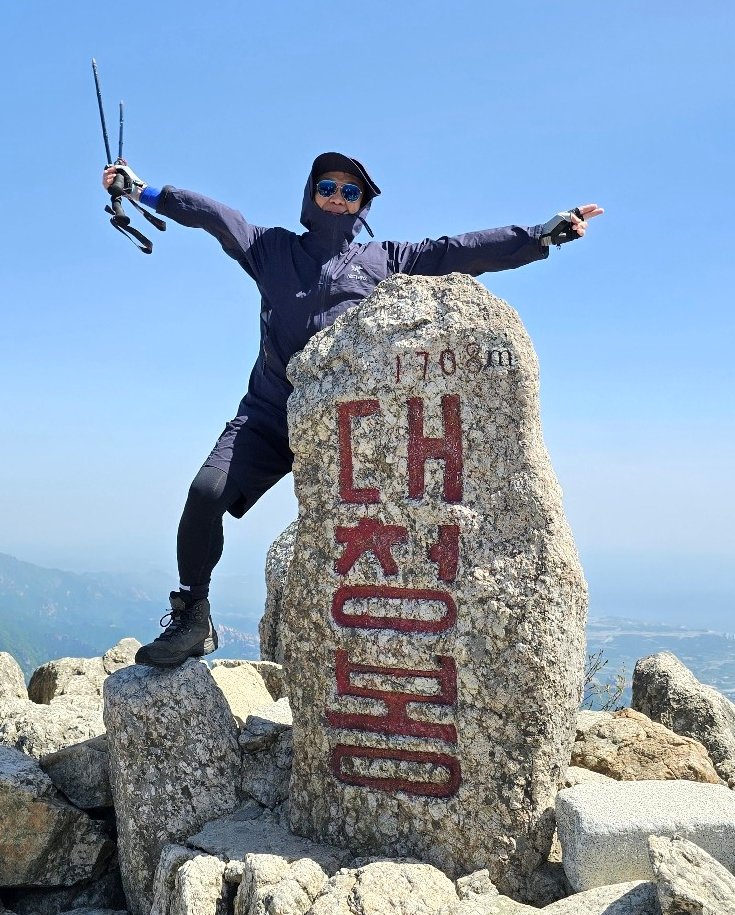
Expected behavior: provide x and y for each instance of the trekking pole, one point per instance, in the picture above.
(115, 190)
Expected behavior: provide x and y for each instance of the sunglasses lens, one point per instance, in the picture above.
(326, 187)
(351, 192)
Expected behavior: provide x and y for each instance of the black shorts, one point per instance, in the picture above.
(254, 458)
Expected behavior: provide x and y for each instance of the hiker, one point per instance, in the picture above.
(306, 281)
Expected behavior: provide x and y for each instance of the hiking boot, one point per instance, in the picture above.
(189, 633)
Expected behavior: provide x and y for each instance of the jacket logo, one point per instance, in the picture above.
(356, 273)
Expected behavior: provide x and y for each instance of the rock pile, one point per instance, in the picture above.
(190, 791)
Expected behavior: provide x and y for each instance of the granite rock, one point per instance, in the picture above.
(271, 885)
(668, 692)
(688, 880)
(629, 898)
(12, 681)
(266, 741)
(277, 564)
(164, 879)
(628, 746)
(200, 888)
(253, 829)
(271, 673)
(243, 688)
(80, 676)
(120, 655)
(174, 763)
(82, 772)
(102, 891)
(67, 677)
(578, 776)
(382, 887)
(37, 730)
(432, 559)
(44, 840)
(604, 828)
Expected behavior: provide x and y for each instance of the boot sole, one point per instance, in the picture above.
(197, 651)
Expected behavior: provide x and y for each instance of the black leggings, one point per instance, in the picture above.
(201, 536)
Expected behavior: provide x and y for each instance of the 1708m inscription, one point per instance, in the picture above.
(470, 359)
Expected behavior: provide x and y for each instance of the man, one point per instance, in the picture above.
(305, 281)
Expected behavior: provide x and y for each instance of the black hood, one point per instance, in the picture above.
(317, 220)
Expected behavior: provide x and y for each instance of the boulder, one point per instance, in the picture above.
(491, 905)
(277, 563)
(80, 676)
(604, 828)
(578, 776)
(271, 673)
(433, 622)
(200, 888)
(266, 741)
(12, 681)
(120, 655)
(82, 772)
(44, 840)
(37, 730)
(253, 829)
(242, 687)
(667, 691)
(67, 677)
(688, 879)
(383, 887)
(628, 746)
(174, 763)
(271, 885)
(630, 898)
(164, 879)
(103, 891)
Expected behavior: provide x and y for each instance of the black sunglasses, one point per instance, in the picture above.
(327, 188)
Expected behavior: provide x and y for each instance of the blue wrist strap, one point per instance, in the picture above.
(150, 196)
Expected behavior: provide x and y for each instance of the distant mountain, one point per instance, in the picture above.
(709, 655)
(49, 613)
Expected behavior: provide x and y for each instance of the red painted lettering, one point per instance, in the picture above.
(369, 536)
(346, 412)
(422, 788)
(447, 449)
(396, 719)
(445, 552)
(399, 623)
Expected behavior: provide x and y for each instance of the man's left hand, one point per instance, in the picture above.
(588, 211)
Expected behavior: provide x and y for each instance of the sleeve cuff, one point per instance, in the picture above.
(150, 196)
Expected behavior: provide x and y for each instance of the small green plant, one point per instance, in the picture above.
(602, 695)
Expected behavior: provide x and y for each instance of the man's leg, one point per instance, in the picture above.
(243, 465)
(190, 632)
(201, 536)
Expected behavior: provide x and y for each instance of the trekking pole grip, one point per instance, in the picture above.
(115, 191)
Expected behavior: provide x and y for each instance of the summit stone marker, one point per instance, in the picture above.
(435, 606)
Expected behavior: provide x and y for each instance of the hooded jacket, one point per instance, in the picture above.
(306, 281)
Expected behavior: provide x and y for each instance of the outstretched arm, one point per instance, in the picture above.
(236, 235)
(486, 251)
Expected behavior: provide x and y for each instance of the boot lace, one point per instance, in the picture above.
(178, 621)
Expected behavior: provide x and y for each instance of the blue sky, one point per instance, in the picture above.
(118, 371)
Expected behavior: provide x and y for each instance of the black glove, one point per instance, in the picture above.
(559, 229)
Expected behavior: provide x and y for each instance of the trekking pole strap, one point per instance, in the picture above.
(123, 225)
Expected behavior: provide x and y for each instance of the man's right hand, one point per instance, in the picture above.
(133, 186)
